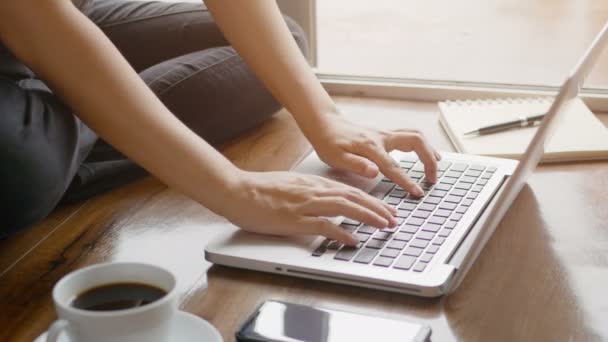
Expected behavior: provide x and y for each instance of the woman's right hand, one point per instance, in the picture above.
(289, 203)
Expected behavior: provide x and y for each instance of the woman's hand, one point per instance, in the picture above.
(364, 151)
(289, 203)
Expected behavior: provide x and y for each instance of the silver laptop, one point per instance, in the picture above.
(440, 235)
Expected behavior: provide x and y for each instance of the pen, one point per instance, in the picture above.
(523, 121)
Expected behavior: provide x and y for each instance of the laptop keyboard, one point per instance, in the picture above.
(424, 223)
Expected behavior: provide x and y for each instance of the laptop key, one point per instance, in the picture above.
(420, 266)
(458, 192)
(443, 165)
(412, 199)
(381, 189)
(366, 229)
(472, 173)
(448, 180)
(463, 186)
(462, 209)
(418, 167)
(415, 221)
(459, 167)
(437, 220)
(439, 240)
(430, 227)
(438, 193)
(384, 262)
(486, 175)
(432, 249)
(409, 229)
(403, 236)
(397, 193)
(450, 224)
(390, 253)
(472, 195)
(456, 217)
(403, 213)
(427, 206)
(407, 206)
(409, 158)
(467, 179)
(421, 214)
(405, 262)
(392, 200)
(447, 206)
(347, 252)
(453, 199)
(482, 182)
(419, 243)
(415, 174)
(426, 257)
(477, 188)
(413, 251)
(445, 232)
(425, 235)
(467, 202)
(432, 200)
(453, 174)
(443, 213)
(322, 248)
(394, 244)
(366, 255)
(491, 169)
(477, 167)
(443, 186)
(377, 244)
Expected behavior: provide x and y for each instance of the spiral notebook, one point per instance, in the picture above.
(580, 135)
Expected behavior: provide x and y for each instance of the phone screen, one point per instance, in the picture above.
(285, 322)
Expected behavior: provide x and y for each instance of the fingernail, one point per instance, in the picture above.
(418, 191)
(353, 241)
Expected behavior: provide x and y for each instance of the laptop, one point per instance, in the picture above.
(440, 235)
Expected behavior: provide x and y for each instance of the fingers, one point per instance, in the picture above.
(339, 206)
(358, 165)
(358, 196)
(319, 226)
(415, 141)
(392, 170)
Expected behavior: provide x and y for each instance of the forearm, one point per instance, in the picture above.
(83, 67)
(274, 57)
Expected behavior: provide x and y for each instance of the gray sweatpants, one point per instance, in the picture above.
(48, 156)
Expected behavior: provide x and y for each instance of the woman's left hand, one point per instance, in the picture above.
(364, 151)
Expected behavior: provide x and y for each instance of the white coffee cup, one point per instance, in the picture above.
(151, 322)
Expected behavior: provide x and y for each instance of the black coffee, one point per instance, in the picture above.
(118, 296)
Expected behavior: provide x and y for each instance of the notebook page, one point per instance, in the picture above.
(579, 134)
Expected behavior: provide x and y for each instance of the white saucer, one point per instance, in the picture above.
(187, 328)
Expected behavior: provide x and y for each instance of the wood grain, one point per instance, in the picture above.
(541, 277)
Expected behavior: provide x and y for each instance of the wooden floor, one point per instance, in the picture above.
(542, 277)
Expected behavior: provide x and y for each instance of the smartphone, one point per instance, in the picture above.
(275, 321)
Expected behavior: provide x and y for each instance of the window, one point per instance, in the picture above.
(473, 47)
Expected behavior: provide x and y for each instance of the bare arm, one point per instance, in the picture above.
(83, 67)
(87, 71)
(276, 59)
